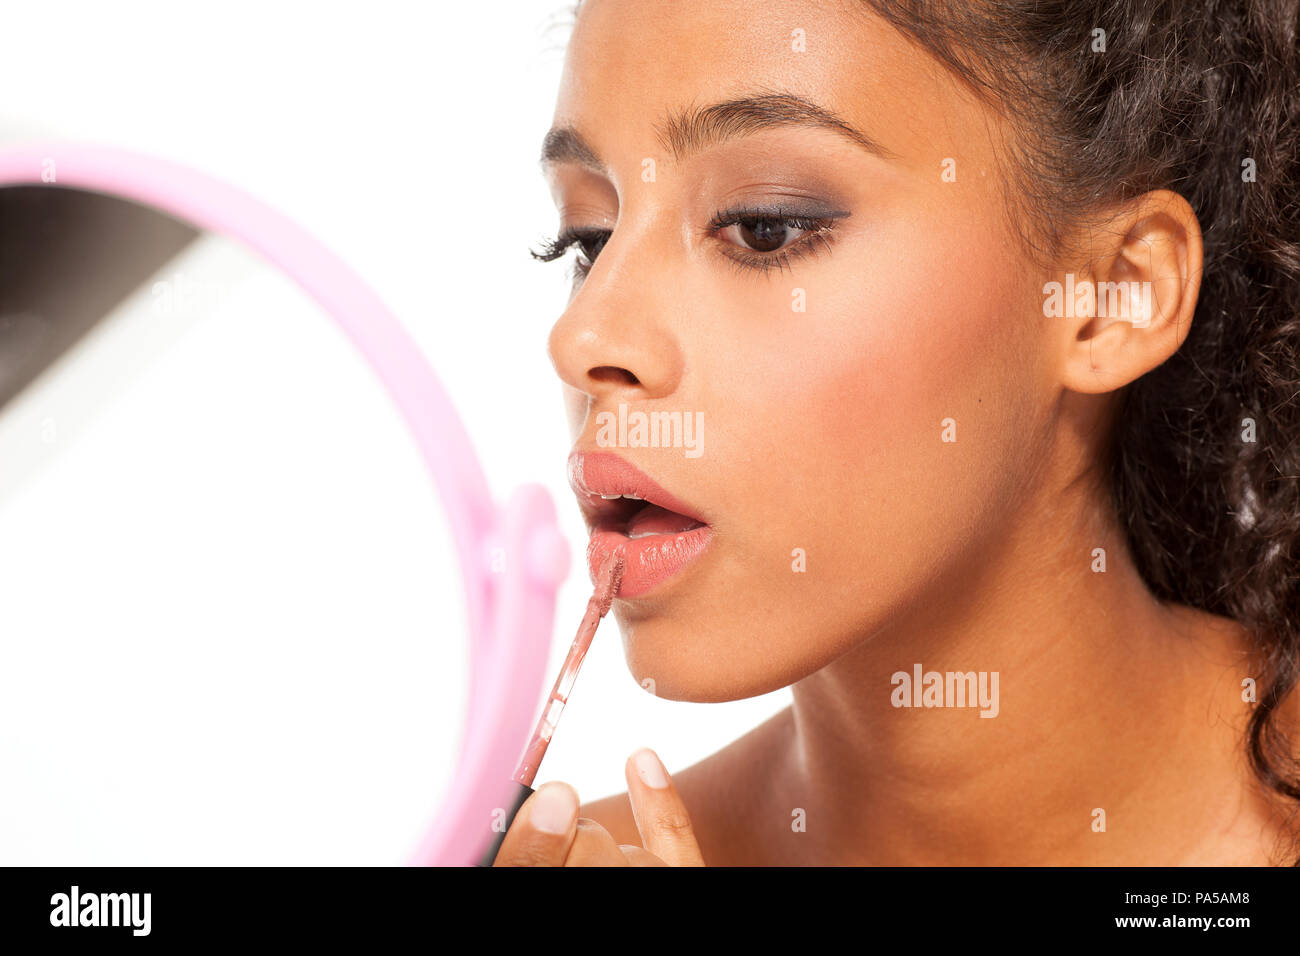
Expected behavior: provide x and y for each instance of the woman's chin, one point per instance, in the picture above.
(700, 664)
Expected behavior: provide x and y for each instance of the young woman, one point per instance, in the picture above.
(988, 316)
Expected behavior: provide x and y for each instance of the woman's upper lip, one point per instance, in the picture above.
(593, 474)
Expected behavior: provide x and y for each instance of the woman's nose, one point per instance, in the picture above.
(616, 340)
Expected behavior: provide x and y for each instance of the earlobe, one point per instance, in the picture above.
(1133, 307)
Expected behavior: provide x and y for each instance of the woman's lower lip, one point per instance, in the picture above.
(649, 561)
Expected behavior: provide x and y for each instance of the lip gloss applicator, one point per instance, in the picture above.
(608, 579)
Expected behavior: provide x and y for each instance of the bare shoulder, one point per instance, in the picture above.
(716, 791)
(614, 813)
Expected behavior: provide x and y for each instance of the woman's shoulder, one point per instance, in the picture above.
(614, 813)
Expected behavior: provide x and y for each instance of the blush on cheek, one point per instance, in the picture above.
(872, 386)
(919, 349)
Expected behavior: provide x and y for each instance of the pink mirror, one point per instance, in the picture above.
(511, 558)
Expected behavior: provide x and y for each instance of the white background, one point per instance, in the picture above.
(230, 629)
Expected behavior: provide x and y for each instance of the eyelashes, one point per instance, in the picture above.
(588, 241)
(759, 239)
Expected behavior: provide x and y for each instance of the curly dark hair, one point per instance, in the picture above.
(1202, 98)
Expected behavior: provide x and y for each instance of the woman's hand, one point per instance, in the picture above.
(547, 831)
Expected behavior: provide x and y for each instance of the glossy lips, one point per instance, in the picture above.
(625, 508)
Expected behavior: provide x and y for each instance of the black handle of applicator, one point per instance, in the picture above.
(522, 793)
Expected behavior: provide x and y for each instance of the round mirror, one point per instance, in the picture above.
(234, 610)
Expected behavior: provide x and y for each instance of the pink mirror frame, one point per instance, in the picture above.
(511, 611)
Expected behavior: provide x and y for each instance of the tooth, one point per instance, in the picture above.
(611, 497)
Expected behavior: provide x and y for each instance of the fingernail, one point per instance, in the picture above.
(649, 769)
(553, 808)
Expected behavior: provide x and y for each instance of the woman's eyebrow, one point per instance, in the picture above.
(693, 129)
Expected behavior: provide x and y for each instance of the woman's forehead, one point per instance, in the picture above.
(652, 73)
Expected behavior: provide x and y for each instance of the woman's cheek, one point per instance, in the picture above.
(880, 413)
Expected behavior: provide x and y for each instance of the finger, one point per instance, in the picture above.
(661, 817)
(639, 856)
(543, 829)
(593, 846)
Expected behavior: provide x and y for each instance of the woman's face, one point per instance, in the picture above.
(872, 301)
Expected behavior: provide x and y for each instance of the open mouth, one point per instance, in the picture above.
(627, 510)
(636, 518)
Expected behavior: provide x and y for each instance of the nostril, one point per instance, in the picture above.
(610, 373)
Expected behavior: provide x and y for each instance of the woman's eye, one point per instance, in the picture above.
(590, 244)
(762, 235)
(767, 239)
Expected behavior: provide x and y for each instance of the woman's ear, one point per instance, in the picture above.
(1132, 307)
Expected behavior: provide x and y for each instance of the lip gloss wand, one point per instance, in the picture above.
(608, 580)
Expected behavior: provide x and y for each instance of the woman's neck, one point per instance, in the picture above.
(1113, 736)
